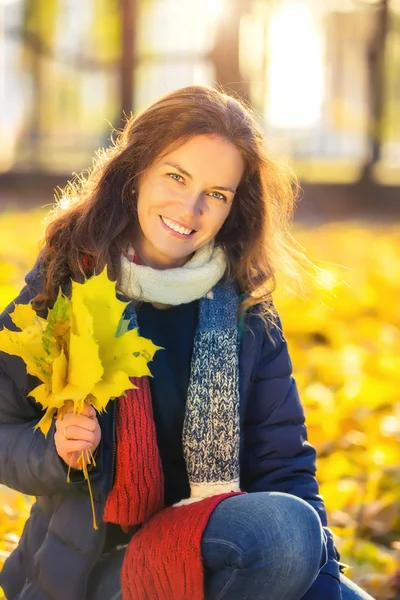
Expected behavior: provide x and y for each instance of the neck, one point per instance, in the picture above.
(161, 306)
(159, 262)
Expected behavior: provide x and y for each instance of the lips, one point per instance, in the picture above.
(179, 228)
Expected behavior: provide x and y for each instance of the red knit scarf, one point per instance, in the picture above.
(163, 559)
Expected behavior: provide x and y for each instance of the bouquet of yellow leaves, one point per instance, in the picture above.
(82, 352)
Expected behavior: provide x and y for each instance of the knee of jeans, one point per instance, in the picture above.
(282, 527)
(297, 530)
(265, 529)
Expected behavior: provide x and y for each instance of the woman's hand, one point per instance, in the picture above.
(75, 433)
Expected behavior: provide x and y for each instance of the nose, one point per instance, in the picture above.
(193, 204)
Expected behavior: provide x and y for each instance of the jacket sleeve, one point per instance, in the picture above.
(29, 462)
(276, 455)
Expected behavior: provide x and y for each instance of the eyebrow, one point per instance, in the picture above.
(215, 187)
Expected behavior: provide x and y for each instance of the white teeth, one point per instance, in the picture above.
(176, 227)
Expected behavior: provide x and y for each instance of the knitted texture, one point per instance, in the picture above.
(163, 559)
(174, 286)
(211, 432)
(138, 490)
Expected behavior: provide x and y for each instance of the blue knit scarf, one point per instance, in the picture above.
(211, 432)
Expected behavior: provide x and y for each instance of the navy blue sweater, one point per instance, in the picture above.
(173, 329)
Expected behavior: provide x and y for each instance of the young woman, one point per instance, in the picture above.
(205, 482)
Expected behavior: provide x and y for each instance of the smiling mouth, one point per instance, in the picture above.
(175, 227)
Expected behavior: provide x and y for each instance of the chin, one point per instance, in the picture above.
(174, 252)
(175, 257)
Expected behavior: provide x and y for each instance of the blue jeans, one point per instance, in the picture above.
(260, 546)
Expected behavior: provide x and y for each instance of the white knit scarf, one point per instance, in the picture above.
(174, 286)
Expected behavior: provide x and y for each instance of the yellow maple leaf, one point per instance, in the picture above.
(46, 421)
(99, 298)
(27, 344)
(24, 316)
(85, 368)
(119, 357)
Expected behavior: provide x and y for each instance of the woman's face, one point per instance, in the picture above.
(184, 199)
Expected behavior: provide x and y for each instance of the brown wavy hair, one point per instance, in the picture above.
(92, 221)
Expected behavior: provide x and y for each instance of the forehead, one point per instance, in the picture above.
(207, 157)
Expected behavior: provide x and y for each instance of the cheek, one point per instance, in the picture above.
(222, 217)
(215, 224)
(154, 195)
(222, 220)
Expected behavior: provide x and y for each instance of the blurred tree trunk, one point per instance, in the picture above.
(376, 88)
(129, 10)
(226, 53)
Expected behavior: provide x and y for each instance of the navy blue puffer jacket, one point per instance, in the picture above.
(59, 546)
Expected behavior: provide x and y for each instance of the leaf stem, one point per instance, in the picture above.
(88, 456)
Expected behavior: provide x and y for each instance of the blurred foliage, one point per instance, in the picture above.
(344, 340)
(106, 30)
(41, 18)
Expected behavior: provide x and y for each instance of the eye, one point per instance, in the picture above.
(219, 196)
(176, 177)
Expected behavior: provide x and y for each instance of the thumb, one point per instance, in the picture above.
(89, 411)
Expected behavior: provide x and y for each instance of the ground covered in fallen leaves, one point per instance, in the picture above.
(344, 340)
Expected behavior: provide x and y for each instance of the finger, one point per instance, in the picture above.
(88, 411)
(71, 419)
(74, 432)
(71, 446)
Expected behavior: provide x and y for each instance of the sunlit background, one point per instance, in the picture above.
(324, 79)
(308, 67)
